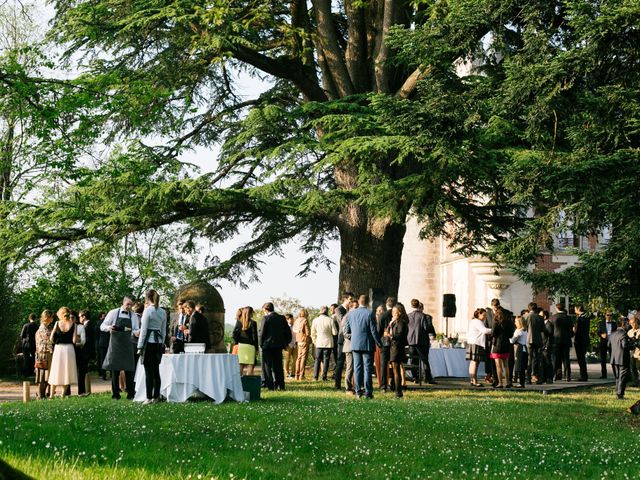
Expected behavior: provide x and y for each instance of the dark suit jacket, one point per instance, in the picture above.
(548, 335)
(620, 347)
(562, 328)
(418, 333)
(274, 331)
(91, 334)
(199, 329)
(381, 325)
(500, 335)
(536, 326)
(583, 323)
(602, 328)
(28, 336)
(339, 313)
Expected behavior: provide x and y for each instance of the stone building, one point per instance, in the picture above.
(430, 269)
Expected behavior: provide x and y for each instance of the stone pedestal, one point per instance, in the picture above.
(208, 296)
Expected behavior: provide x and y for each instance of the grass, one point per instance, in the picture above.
(309, 431)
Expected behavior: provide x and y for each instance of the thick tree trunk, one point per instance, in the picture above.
(371, 250)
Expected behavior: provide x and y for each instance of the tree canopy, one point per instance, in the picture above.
(344, 143)
(496, 123)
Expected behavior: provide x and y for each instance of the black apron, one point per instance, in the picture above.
(120, 353)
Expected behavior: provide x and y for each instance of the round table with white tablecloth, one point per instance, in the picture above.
(451, 362)
(216, 375)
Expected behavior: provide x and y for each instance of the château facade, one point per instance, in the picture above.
(431, 269)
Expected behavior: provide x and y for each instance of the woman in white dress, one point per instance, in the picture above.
(63, 363)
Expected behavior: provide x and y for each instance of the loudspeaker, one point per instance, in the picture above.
(449, 305)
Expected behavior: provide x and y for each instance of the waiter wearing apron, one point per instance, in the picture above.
(122, 325)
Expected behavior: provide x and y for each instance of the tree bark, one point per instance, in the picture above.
(371, 250)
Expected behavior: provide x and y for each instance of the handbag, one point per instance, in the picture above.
(635, 408)
(41, 364)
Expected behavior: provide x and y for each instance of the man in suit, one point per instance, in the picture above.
(382, 322)
(28, 339)
(620, 346)
(102, 346)
(634, 338)
(198, 331)
(562, 333)
(581, 340)
(420, 325)
(548, 335)
(85, 351)
(534, 343)
(605, 327)
(91, 330)
(323, 330)
(275, 335)
(339, 313)
(178, 329)
(360, 328)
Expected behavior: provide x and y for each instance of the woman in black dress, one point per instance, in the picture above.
(501, 348)
(397, 333)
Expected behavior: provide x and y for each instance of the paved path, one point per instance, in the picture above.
(11, 390)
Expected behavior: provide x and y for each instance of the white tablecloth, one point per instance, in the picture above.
(216, 375)
(451, 362)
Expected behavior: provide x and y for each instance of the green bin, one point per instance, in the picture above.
(251, 384)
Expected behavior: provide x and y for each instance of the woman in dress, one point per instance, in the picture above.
(303, 337)
(291, 350)
(63, 362)
(519, 341)
(384, 352)
(153, 327)
(246, 332)
(397, 333)
(501, 347)
(44, 351)
(476, 335)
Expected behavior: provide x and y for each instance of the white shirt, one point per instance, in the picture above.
(112, 317)
(477, 332)
(323, 329)
(81, 335)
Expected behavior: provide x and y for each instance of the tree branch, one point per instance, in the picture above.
(332, 52)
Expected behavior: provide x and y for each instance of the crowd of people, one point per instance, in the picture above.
(532, 347)
(348, 336)
(59, 350)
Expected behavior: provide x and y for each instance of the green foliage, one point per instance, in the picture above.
(556, 107)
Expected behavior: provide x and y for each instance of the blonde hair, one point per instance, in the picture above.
(46, 317)
(64, 313)
(520, 323)
(304, 313)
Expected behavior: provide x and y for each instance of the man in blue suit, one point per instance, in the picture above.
(360, 328)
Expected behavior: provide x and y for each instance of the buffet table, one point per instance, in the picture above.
(451, 362)
(216, 375)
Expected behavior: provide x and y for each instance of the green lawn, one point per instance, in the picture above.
(309, 431)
